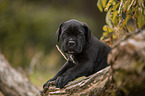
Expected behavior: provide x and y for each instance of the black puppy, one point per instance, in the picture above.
(86, 53)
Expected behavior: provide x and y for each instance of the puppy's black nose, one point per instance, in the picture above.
(71, 43)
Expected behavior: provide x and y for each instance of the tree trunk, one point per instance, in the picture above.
(13, 82)
(125, 77)
(127, 60)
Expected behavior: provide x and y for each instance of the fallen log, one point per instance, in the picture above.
(85, 86)
(13, 82)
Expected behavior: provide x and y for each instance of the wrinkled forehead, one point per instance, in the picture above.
(72, 27)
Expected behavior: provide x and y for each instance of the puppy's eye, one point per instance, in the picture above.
(79, 34)
(64, 35)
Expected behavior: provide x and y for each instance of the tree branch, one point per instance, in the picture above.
(13, 82)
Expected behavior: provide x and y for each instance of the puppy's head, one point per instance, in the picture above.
(74, 36)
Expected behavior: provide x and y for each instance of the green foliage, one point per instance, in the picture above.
(23, 31)
(28, 28)
(122, 16)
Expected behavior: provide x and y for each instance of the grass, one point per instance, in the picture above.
(39, 78)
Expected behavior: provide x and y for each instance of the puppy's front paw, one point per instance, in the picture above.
(45, 84)
(61, 81)
(51, 80)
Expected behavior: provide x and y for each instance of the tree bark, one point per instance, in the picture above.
(93, 84)
(124, 77)
(13, 82)
(127, 60)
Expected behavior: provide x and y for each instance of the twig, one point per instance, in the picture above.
(61, 52)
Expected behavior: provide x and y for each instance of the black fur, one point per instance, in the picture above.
(86, 53)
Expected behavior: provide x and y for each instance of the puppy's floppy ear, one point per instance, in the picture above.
(87, 32)
(58, 32)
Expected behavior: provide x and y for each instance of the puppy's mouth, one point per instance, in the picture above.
(71, 52)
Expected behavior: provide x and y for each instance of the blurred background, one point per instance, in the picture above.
(28, 28)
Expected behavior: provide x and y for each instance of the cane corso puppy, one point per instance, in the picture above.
(86, 54)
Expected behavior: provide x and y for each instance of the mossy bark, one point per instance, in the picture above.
(127, 62)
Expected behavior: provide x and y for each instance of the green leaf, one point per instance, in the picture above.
(128, 9)
(113, 36)
(114, 15)
(114, 3)
(115, 7)
(141, 2)
(115, 22)
(108, 18)
(140, 18)
(108, 5)
(142, 6)
(99, 5)
(105, 33)
(120, 18)
(104, 3)
(126, 5)
(120, 10)
(115, 19)
(107, 28)
(120, 7)
(125, 21)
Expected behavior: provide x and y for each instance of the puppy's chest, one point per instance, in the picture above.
(76, 59)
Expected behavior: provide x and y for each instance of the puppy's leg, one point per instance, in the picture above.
(64, 68)
(79, 70)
